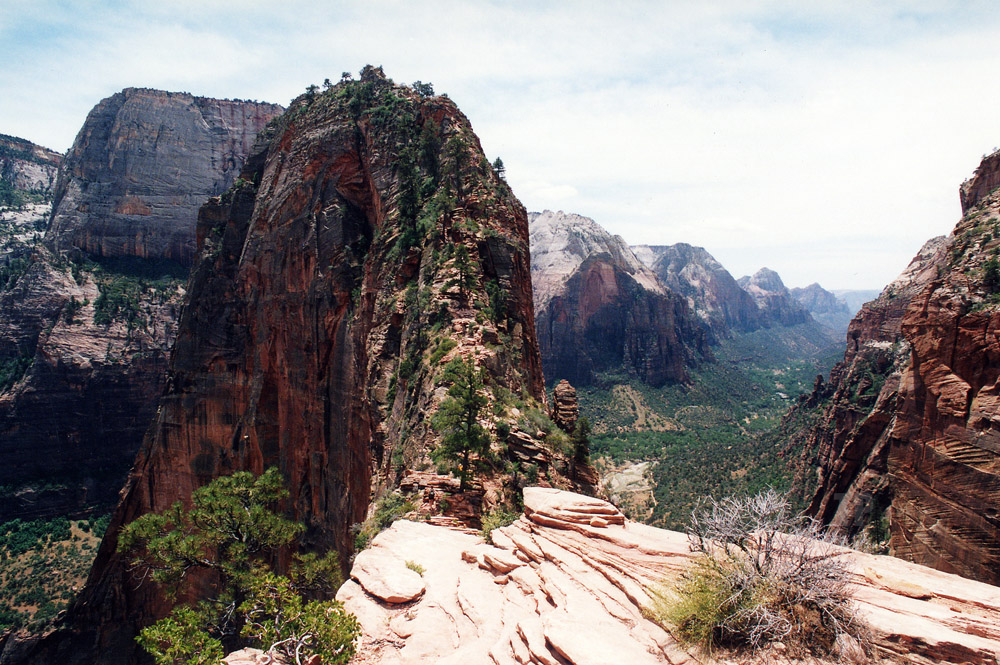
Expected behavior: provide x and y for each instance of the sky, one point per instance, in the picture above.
(824, 140)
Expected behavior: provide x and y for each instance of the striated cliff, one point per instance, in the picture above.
(907, 446)
(710, 290)
(141, 166)
(598, 308)
(85, 338)
(367, 244)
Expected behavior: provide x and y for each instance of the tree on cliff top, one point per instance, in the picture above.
(458, 422)
(232, 531)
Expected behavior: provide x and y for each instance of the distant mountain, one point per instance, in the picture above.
(774, 300)
(824, 306)
(598, 308)
(856, 298)
(710, 290)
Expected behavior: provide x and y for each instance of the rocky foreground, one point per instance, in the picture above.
(567, 582)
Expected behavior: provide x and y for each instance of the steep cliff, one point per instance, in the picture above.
(923, 446)
(367, 244)
(599, 309)
(773, 298)
(26, 168)
(823, 306)
(141, 166)
(710, 290)
(84, 338)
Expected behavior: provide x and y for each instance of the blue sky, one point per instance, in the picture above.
(823, 140)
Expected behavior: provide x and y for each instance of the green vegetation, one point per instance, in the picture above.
(465, 444)
(42, 564)
(388, 508)
(718, 435)
(232, 533)
(494, 520)
(761, 576)
(416, 567)
(12, 369)
(128, 285)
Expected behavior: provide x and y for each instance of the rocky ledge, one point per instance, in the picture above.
(567, 583)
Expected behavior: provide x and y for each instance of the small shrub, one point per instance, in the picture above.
(494, 520)
(762, 575)
(388, 509)
(416, 567)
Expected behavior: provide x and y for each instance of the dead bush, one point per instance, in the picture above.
(762, 575)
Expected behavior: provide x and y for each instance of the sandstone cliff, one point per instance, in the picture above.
(141, 166)
(910, 429)
(600, 309)
(710, 290)
(87, 341)
(367, 244)
(26, 167)
(568, 583)
(773, 298)
(823, 306)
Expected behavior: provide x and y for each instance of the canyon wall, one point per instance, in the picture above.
(600, 309)
(84, 337)
(908, 439)
(367, 245)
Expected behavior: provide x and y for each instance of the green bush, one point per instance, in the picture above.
(494, 520)
(388, 508)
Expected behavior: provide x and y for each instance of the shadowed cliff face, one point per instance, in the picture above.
(329, 276)
(94, 337)
(142, 165)
(913, 423)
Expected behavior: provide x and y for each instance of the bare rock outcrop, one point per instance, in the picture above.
(823, 306)
(567, 584)
(565, 409)
(27, 167)
(775, 301)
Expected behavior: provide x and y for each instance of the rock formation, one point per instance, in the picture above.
(90, 339)
(367, 244)
(776, 303)
(27, 167)
(141, 166)
(711, 291)
(568, 583)
(910, 429)
(598, 308)
(824, 306)
(565, 409)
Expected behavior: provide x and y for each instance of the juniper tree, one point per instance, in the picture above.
(465, 443)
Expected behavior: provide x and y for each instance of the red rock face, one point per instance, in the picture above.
(321, 294)
(913, 423)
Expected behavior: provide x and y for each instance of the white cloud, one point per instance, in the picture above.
(826, 140)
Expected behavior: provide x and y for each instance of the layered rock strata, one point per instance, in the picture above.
(141, 166)
(565, 409)
(568, 583)
(912, 427)
(90, 340)
(599, 309)
(353, 260)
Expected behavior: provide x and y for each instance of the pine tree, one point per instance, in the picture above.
(458, 422)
